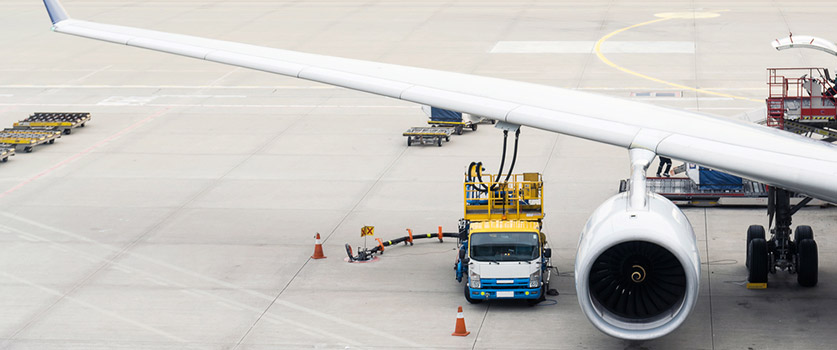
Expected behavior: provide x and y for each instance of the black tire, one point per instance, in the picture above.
(468, 296)
(447, 138)
(82, 125)
(5, 159)
(51, 141)
(439, 141)
(807, 263)
(473, 127)
(754, 231)
(758, 261)
(409, 141)
(28, 149)
(459, 129)
(68, 131)
(803, 232)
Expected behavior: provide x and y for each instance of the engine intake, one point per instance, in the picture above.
(637, 280)
(637, 271)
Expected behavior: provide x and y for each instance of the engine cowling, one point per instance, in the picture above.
(637, 272)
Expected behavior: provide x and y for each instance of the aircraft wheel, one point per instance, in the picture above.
(754, 231)
(807, 263)
(803, 232)
(758, 261)
(468, 296)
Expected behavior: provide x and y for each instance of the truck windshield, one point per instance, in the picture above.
(504, 246)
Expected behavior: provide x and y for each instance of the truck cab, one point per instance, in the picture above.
(503, 253)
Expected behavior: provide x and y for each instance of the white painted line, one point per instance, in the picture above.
(228, 306)
(28, 238)
(191, 293)
(267, 317)
(127, 101)
(156, 281)
(94, 307)
(122, 269)
(587, 47)
(59, 248)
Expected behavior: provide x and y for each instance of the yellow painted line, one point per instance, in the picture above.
(663, 17)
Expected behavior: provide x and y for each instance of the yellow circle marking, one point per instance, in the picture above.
(662, 17)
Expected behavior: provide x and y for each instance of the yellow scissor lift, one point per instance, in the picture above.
(64, 122)
(27, 139)
(521, 198)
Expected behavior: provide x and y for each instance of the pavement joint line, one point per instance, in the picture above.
(184, 288)
(82, 153)
(479, 329)
(708, 274)
(109, 313)
(605, 60)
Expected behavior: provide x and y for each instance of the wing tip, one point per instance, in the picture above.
(56, 11)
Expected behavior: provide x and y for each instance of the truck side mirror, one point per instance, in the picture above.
(547, 253)
(462, 254)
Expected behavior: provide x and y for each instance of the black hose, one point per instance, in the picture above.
(514, 156)
(494, 186)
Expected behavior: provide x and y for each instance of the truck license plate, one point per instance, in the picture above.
(505, 294)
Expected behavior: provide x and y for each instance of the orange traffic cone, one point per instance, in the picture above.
(460, 324)
(318, 248)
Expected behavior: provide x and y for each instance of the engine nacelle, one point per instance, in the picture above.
(637, 272)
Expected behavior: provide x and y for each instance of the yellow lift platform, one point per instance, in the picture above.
(64, 122)
(520, 198)
(27, 139)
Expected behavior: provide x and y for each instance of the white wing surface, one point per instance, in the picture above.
(774, 157)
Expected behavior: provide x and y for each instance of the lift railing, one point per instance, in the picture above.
(798, 94)
(520, 198)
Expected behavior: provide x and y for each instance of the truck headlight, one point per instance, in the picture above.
(474, 279)
(535, 279)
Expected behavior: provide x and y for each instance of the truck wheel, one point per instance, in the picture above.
(758, 261)
(458, 129)
(468, 296)
(473, 127)
(806, 270)
(409, 141)
(754, 231)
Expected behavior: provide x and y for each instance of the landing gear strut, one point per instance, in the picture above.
(780, 252)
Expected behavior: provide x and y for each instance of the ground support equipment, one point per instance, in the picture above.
(367, 254)
(427, 135)
(457, 126)
(27, 139)
(5, 153)
(685, 192)
(64, 122)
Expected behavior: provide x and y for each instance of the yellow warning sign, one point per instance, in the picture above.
(367, 231)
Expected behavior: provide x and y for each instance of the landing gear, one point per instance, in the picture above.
(797, 256)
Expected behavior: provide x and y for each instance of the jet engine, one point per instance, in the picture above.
(637, 271)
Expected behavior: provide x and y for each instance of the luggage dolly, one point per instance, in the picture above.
(64, 122)
(427, 135)
(27, 139)
(5, 153)
(457, 126)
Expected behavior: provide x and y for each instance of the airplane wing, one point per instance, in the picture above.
(767, 155)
